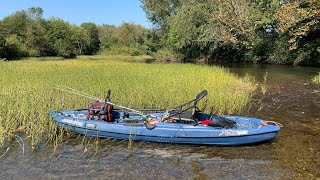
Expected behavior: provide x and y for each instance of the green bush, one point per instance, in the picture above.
(13, 48)
(135, 53)
(33, 53)
(260, 51)
(280, 54)
(168, 55)
(68, 55)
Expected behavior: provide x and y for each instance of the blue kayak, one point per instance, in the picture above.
(199, 128)
(248, 130)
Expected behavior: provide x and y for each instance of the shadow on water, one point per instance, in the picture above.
(291, 99)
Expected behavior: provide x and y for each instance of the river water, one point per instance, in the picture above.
(291, 99)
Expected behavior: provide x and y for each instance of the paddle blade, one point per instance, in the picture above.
(201, 95)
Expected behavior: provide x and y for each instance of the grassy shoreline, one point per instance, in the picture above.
(27, 93)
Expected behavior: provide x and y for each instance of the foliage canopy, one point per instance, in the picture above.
(268, 31)
(262, 31)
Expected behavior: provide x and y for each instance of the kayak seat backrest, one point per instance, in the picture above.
(189, 110)
(185, 114)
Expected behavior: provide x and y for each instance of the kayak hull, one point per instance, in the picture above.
(248, 130)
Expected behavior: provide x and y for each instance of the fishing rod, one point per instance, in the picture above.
(83, 94)
(79, 93)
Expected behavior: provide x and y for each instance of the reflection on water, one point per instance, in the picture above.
(291, 99)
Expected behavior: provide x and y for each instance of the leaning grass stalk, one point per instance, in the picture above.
(20, 144)
(264, 83)
(4, 153)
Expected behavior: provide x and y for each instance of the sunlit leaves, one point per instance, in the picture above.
(299, 18)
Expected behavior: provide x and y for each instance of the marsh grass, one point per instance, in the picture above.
(316, 79)
(27, 93)
(264, 83)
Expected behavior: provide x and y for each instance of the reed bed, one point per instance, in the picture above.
(27, 94)
(316, 79)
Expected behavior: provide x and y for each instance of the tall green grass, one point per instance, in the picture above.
(27, 93)
(316, 79)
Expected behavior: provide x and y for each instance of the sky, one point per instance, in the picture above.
(113, 12)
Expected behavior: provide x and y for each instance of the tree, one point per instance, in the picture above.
(35, 13)
(92, 32)
(152, 41)
(108, 36)
(13, 48)
(12, 32)
(37, 39)
(80, 38)
(61, 37)
(2, 47)
(15, 24)
(263, 25)
(129, 38)
(131, 35)
(158, 12)
(300, 21)
(28, 30)
(200, 29)
(299, 18)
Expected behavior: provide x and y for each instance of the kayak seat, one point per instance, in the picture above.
(188, 110)
(181, 114)
(187, 117)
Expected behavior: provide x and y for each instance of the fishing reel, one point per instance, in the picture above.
(150, 123)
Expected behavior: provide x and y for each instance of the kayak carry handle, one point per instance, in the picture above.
(265, 123)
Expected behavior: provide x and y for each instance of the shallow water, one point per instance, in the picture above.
(291, 99)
